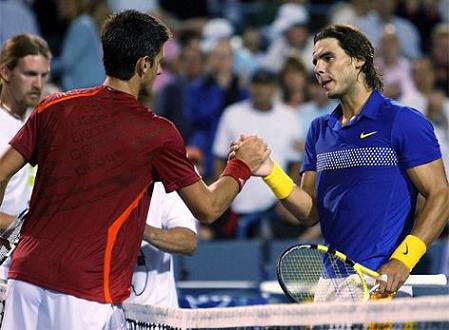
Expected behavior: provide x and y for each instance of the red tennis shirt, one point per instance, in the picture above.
(98, 152)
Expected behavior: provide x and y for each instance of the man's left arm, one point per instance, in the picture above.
(179, 240)
(431, 181)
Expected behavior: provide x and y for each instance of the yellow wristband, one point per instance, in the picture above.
(279, 182)
(410, 251)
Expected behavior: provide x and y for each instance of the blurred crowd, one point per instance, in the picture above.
(246, 66)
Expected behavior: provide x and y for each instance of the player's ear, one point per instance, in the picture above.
(5, 73)
(142, 66)
(358, 62)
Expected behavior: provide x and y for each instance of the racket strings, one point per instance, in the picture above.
(345, 281)
(311, 276)
(302, 284)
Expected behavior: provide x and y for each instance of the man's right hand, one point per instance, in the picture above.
(253, 151)
(265, 169)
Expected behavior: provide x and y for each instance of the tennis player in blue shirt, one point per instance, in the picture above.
(364, 165)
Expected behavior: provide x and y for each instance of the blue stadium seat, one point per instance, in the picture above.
(276, 248)
(226, 260)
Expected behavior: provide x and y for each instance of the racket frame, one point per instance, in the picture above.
(359, 269)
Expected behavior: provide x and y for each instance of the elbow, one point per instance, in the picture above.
(192, 248)
(208, 214)
(310, 222)
(205, 218)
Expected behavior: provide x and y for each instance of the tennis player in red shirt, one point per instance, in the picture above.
(99, 152)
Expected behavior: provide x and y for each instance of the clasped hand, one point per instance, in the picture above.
(252, 150)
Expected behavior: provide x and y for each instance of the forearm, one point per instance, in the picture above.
(207, 203)
(301, 205)
(431, 182)
(174, 240)
(5, 220)
(428, 226)
(298, 200)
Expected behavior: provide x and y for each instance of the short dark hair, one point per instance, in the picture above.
(128, 36)
(20, 46)
(356, 45)
(263, 76)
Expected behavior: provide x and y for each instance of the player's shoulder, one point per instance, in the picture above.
(320, 120)
(402, 112)
(72, 95)
(161, 120)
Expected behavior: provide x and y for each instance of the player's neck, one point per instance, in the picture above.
(126, 86)
(8, 104)
(352, 103)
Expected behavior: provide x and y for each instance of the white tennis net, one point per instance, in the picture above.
(430, 312)
(406, 313)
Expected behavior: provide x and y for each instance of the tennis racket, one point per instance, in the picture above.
(316, 273)
(10, 236)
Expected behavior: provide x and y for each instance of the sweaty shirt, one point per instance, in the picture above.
(98, 153)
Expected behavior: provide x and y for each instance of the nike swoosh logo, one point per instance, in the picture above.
(406, 250)
(364, 135)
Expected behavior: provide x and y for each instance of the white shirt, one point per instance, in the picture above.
(154, 282)
(18, 191)
(279, 127)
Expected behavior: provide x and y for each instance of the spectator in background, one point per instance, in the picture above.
(424, 14)
(443, 9)
(252, 42)
(243, 62)
(293, 81)
(16, 18)
(80, 62)
(395, 68)
(145, 6)
(348, 12)
(423, 73)
(207, 97)
(290, 38)
(440, 57)
(278, 125)
(170, 228)
(170, 102)
(318, 105)
(382, 13)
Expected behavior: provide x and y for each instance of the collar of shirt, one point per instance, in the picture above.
(370, 110)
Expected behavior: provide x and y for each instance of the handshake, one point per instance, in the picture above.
(254, 152)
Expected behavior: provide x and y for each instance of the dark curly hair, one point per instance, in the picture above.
(356, 45)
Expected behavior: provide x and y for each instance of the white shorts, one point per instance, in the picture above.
(30, 307)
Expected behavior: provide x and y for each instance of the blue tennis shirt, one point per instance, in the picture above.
(365, 199)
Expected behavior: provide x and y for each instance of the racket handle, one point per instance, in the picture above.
(420, 280)
(423, 280)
